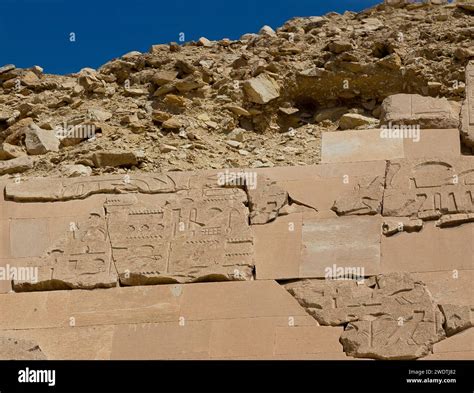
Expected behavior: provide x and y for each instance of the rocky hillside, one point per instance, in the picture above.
(260, 101)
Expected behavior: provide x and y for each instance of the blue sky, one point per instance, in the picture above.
(38, 31)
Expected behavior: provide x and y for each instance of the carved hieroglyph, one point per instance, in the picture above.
(364, 198)
(390, 316)
(428, 189)
(265, 201)
(81, 259)
(51, 190)
(467, 110)
(194, 234)
(200, 235)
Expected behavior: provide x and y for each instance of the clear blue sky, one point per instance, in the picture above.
(38, 31)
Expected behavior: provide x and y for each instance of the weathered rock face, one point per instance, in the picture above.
(425, 112)
(389, 316)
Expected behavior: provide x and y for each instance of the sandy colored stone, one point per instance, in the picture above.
(114, 158)
(278, 248)
(450, 220)
(433, 249)
(390, 316)
(18, 349)
(429, 188)
(81, 258)
(300, 340)
(467, 110)
(457, 318)
(319, 186)
(265, 201)
(433, 142)
(461, 342)
(345, 242)
(39, 141)
(262, 89)
(70, 343)
(364, 198)
(377, 144)
(449, 287)
(426, 112)
(163, 77)
(203, 235)
(16, 165)
(354, 121)
(363, 145)
(8, 151)
(68, 189)
(392, 226)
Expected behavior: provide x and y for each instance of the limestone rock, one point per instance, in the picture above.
(161, 78)
(98, 114)
(16, 165)
(114, 158)
(428, 189)
(390, 317)
(332, 114)
(80, 259)
(203, 41)
(458, 318)
(6, 68)
(392, 226)
(353, 121)
(267, 31)
(19, 349)
(339, 46)
(364, 198)
(39, 141)
(8, 151)
(262, 89)
(426, 112)
(466, 5)
(265, 201)
(16, 131)
(76, 170)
